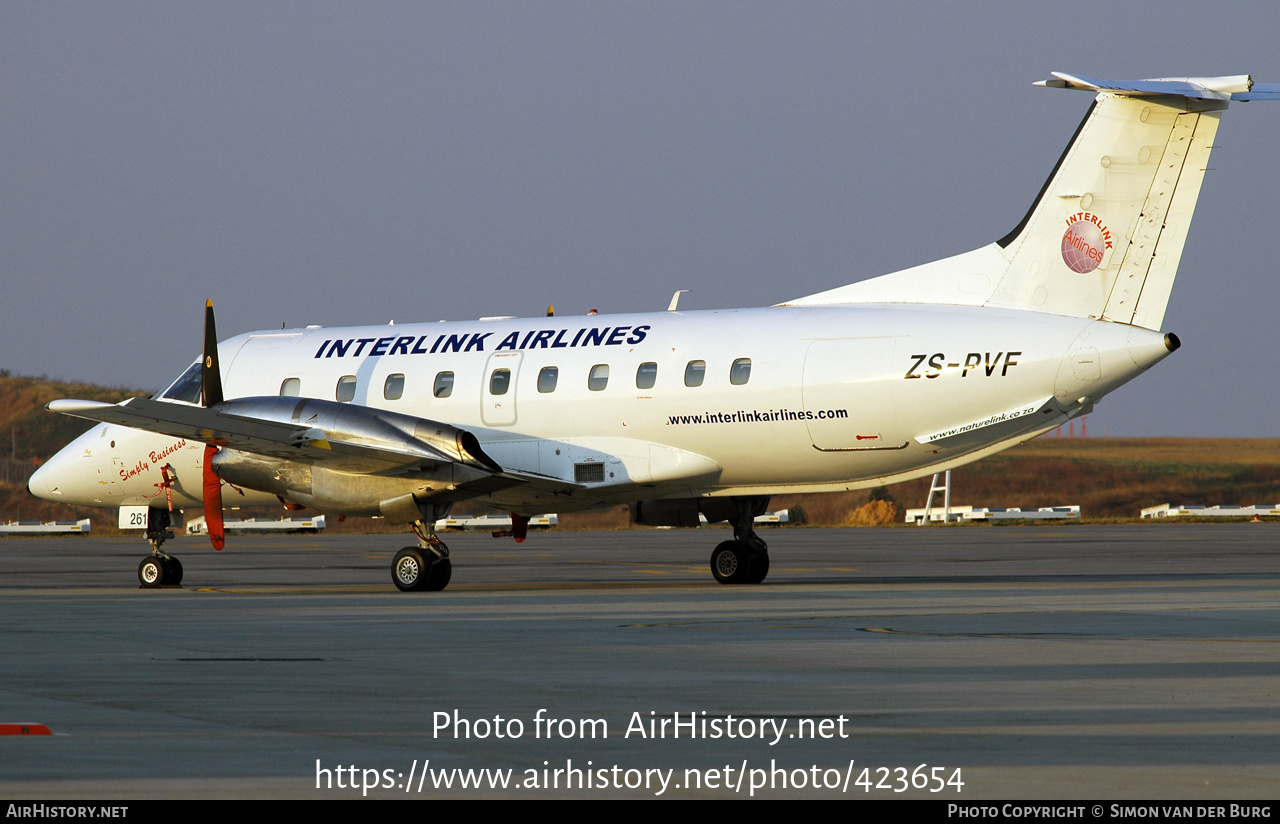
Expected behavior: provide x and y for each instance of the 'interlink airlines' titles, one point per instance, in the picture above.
(475, 341)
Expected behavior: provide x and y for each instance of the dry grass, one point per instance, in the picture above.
(1208, 451)
(1107, 477)
(40, 433)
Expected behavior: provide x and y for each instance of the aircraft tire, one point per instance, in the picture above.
(410, 570)
(759, 568)
(441, 572)
(152, 572)
(730, 563)
(173, 572)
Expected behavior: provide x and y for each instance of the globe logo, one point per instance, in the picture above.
(1083, 246)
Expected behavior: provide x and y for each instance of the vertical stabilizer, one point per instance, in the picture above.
(1104, 237)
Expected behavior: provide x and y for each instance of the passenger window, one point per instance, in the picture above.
(499, 381)
(695, 372)
(547, 379)
(599, 377)
(444, 385)
(740, 372)
(393, 389)
(346, 389)
(646, 375)
(291, 388)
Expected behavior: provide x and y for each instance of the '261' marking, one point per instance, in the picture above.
(973, 362)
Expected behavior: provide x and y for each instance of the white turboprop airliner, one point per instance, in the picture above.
(677, 412)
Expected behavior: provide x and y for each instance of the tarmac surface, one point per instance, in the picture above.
(1038, 662)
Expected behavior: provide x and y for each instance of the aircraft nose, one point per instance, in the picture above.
(38, 483)
(55, 478)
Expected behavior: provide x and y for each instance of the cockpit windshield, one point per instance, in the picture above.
(186, 387)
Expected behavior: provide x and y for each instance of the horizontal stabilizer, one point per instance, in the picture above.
(1259, 91)
(1207, 88)
(1231, 87)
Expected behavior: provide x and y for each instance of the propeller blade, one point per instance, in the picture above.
(213, 500)
(210, 373)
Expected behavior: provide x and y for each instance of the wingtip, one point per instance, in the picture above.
(70, 406)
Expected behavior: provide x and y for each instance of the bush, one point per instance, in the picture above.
(878, 513)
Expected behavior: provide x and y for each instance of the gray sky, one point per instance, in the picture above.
(355, 163)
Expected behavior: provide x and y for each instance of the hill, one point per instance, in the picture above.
(29, 435)
(1106, 477)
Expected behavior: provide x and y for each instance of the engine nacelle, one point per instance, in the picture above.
(450, 457)
(398, 497)
(367, 426)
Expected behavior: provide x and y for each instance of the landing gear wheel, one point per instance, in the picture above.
(173, 572)
(759, 568)
(441, 572)
(152, 572)
(731, 563)
(411, 571)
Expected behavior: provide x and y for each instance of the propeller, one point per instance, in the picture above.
(210, 374)
(210, 394)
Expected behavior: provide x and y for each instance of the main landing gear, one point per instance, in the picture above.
(423, 568)
(745, 559)
(159, 569)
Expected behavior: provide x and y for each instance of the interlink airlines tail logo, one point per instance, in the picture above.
(1086, 241)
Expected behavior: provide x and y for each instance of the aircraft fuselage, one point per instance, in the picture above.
(668, 404)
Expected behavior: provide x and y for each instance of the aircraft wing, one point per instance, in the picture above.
(339, 436)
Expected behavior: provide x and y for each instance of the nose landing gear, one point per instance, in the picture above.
(159, 568)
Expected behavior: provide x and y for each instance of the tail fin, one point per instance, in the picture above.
(1104, 236)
